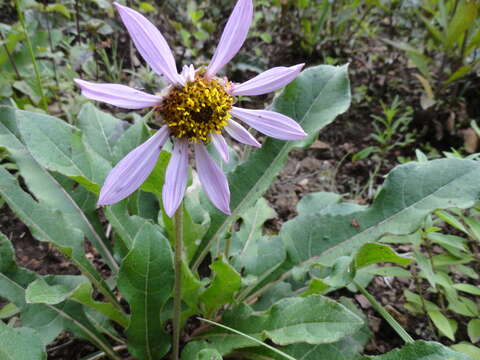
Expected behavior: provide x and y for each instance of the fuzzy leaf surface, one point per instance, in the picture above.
(146, 281)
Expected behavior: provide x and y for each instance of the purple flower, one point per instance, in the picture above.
(194, 109)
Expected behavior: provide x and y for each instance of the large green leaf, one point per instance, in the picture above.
(314, 319)
(410, 192)
(61, 147)
(49, 320)
(101, 130)
(50, 226)
(20, 344)
(422, 350)
(314, 99)
(45, 187)
(146, 281)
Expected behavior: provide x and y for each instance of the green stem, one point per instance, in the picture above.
(12, 62)
(385, 314)
(177, 295)
(32, 55)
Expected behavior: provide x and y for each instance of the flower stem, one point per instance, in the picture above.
(177, 295)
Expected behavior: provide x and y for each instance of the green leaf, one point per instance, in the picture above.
(50, 226)
(468, 349)
(417, 300)
(101, 130)
(389, 271)
(314, 319)
(370, 254)
(130, 139)
(125, 225)
(49, 320)
(318, 202)
(315, 286)
(225, 284)
(156, 179)
(83, 294)
(7, 254)
(45, 187)
(209, 354)
(39, 292)
(251, 251)
(460, 72)
(347, 348)
(364, 153)
(57, 288)
(465, 15)
(60, 8)
(453, 241)
(474, 330)
(463, 306)
(146, 281)
(468, 288)
(314, 99)
(450, 219)
(8, 310)
(60, 147)
(410, 192)
(426, 268)
(20, 344)
(422, 350)
(442, 323)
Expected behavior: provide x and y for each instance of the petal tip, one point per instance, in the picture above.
(117, 5)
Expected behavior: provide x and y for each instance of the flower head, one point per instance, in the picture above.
(195, 108)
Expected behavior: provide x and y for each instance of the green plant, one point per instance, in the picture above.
(448, 264)
(446, 52)
(391, 131)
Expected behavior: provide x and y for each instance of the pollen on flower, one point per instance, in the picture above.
(197, 109)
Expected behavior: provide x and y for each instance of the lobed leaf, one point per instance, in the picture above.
(146, 281)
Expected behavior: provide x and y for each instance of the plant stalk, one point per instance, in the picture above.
(385, 314)
(177, 294)
(10, 58)
(32, 55)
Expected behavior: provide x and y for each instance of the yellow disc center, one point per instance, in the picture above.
(196, 110)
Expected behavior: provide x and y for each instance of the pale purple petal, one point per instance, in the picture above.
(118, 95)
(233, 36)
(270, 123)
(176, 177)
(221, 145)
(188, 73)
(267, 81)
(133, 169)
(150, 43)
(239, 133)
(213, 179)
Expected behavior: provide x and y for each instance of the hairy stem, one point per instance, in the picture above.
(177, 294)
